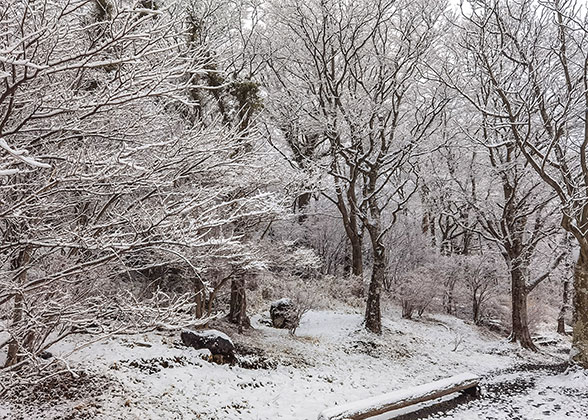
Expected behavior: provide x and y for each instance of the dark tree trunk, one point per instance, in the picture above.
(580, 340)
(433, 232)
(373, 316)
(476, 315)
(520, 324)
(561, 324)
(425, 222)
(467, 241)
(353, 228)
(448, 297)
(561, 319)
(238, 305)
(302, 202)
(346, 263)
(199, 298)
(428, 221)
(19, 263)
(12, 356)
(356, 256)
(407, 309)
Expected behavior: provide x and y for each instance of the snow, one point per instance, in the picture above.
(21, 154)
(331, 361)
(281, 302)
(550, 397)
(407, 395)
(212, 334)
(575, 378)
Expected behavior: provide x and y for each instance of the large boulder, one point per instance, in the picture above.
(220, 345)
(283, 313)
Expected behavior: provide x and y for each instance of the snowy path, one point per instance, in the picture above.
(525, 393)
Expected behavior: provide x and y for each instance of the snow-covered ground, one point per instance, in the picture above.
(332, 360)
(533, 395)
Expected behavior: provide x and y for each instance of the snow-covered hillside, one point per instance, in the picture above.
(332, 360)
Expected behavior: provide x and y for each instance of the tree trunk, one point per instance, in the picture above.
(561, 319)
(20, 262)
(302, 202)
(373, 316)
(448, 297)
(12, 354)
(520, 325)
(354, 252)
(467, 240)
(475, 309)
(433, 233)
(353, 229)
(407, 309)
(356, 256)
(238, 305)
(199, 298)
(580, 338)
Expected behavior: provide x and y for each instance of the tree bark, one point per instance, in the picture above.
(353, 228)
(520, 324)
(449, 296)
(580, 337)
(199, 298)
(561, 319)
(475, 308)
(373, 315)
(19, 263)
(356, 256)
(238, 304)
(433, 232)
(302, 202)
(12, 354)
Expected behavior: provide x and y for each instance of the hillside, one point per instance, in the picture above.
(331, 360)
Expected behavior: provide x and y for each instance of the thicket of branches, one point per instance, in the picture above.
(160, 159)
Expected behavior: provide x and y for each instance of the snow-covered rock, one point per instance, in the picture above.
(283, 313)
(217, 342)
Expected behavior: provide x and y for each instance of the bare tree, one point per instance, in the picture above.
(481, 280)
(516, 217)
(363, 101)
(535, 58)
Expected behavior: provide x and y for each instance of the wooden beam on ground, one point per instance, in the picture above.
(402, 398)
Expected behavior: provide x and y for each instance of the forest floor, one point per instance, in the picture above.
(332, 360)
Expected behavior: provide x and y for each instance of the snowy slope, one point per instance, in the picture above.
(331, 361)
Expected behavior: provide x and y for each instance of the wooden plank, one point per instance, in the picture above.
(400, 399)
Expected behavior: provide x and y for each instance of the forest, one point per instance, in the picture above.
(260, 209)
